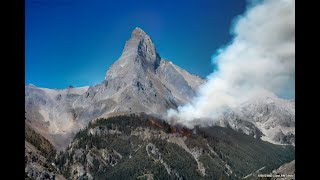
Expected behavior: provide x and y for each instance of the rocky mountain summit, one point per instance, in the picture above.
(139, 81)
(114, 130)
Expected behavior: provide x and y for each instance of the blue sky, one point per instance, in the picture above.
(75, 42)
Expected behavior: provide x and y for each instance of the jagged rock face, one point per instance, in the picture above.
(139, 81)
(139, 55)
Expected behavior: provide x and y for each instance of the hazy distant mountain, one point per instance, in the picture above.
(266, 116)
(139, 81)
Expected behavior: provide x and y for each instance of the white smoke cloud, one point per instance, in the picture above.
(261, 57)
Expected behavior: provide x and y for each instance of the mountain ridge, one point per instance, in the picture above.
(138, 81)
(115, 129)
(141, 81)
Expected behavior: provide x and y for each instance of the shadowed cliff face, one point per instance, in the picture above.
(139, 81)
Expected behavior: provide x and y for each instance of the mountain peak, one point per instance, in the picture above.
(138, 54)
(139, 43)
(30, 85)
(138, 32)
